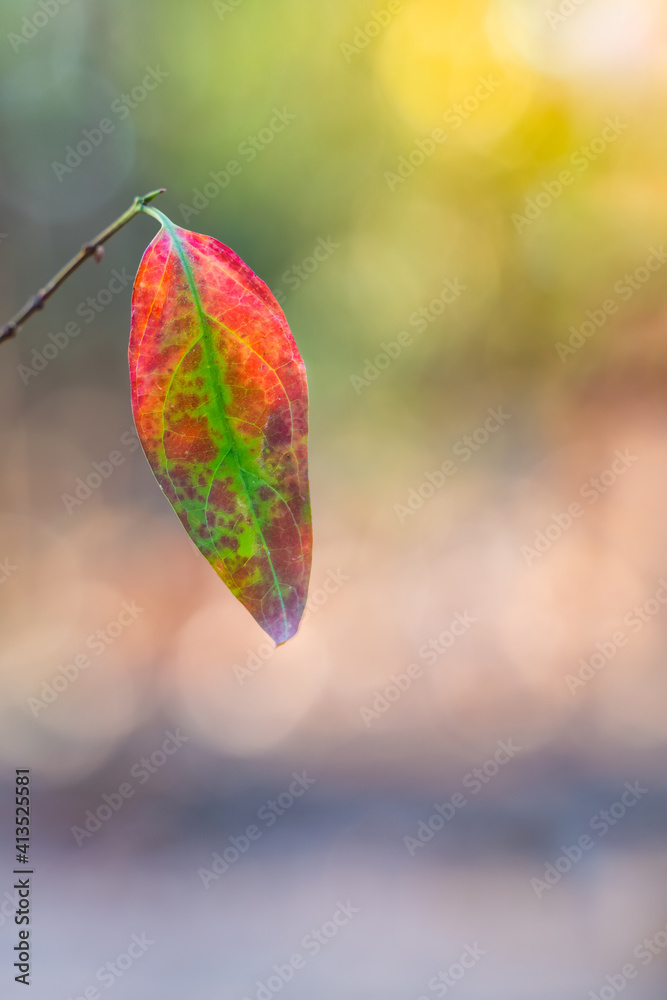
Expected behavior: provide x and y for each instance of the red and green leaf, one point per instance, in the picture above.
(220, 402)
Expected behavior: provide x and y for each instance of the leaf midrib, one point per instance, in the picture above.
(209, 351)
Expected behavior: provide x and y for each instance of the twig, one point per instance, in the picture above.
(91, 249)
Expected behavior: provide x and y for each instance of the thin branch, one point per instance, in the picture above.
(91, 249)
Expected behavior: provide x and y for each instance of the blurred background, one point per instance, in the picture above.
(461, 207)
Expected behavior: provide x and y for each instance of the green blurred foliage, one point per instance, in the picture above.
(356, 115)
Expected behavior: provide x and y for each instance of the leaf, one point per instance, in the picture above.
(220, 402)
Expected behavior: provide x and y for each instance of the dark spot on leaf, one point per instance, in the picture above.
(278, 431)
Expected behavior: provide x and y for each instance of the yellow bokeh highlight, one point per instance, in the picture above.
(440, 70)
